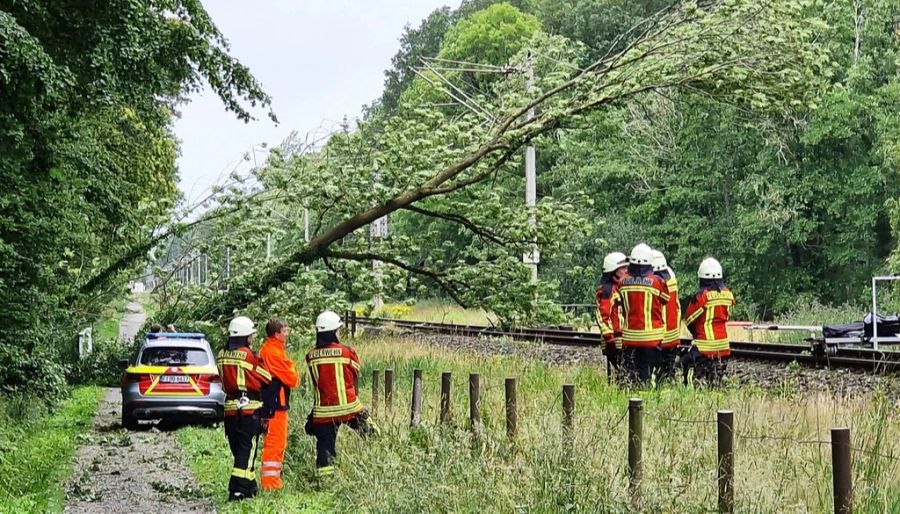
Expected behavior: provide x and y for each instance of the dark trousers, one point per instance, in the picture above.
(242, 431)
(641, 363)
(669, 358)
(326, 438)
(707, 370)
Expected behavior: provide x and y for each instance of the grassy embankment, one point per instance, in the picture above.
(36, 449)
(437, 469)
(107, 328)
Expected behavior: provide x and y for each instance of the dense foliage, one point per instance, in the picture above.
(87, 158)
(440, 154)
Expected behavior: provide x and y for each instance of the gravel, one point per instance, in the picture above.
(788, 378)
(130, 471)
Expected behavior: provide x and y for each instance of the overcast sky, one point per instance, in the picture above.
(318, 59)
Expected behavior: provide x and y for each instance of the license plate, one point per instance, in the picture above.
(174, 379)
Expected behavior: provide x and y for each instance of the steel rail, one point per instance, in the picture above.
(811, 355)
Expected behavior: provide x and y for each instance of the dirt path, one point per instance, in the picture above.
(132, 321)
(118, 471)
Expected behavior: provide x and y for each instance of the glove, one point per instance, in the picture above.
(263, 425)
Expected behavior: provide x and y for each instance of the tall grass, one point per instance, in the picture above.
(36, 449)
(782, 461)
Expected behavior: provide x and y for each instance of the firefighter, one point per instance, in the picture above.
(671, 316)
(334, 369)
(639, 300)
(705, 316)
(243, 378)
(614, 266)
(276, 401)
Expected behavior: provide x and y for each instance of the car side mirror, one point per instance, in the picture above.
(123, 363)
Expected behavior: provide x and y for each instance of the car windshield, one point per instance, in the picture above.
(171, 356)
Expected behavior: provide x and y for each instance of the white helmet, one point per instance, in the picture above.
(659, 261)
(241, 326)
(710, 268)
(614, 261)
(641, 254)
(328, 321)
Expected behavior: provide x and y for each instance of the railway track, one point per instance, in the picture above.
(813, 354)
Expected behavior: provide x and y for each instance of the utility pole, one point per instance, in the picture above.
(533, 258)
(378, 229)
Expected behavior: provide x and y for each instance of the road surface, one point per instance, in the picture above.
(132, 322)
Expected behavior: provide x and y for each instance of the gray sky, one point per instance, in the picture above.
(318, 59)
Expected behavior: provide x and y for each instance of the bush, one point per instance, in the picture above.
(101, 367)
(39, 373)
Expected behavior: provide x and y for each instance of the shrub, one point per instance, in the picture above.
(101, 367)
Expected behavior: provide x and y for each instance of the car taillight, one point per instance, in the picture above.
(209, 378)
(133, 378)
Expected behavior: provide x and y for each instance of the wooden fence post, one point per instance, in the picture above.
(474, 401)
(388, 388)
(725, 422)
(376, 379)
(841, 463)
(446, 381)
(568, 401)
(415, 417)
(635, 444)
(512, 415)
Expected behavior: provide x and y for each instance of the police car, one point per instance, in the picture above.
(173, 375)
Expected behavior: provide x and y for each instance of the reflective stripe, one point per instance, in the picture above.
(275, 473)
(673, 335)
(271, 464)
(243, 473)
(340, 383)
(693, 316)
(331, 360)
(631, 288)
(708, 321)
(712, 345)
(241, 379)
(642, 335)
(336, 410)
(264, 372)
(325, 470)
(233, 405)
(314, 371)
(648, 312)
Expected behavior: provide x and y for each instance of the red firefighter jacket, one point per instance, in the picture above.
(610, 325)
(672, 314)
(334, 369)
(706, 316)
(639, 299)
(243, 375)
(283, 370)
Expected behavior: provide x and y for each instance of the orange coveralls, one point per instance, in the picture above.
(282, 369)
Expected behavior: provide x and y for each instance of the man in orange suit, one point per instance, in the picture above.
(276, 399)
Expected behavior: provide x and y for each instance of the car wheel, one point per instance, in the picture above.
(129, 422)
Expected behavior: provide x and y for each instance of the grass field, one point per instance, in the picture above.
(36, 450)
(782, 455)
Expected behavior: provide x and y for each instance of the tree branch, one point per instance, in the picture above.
(437, 276)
